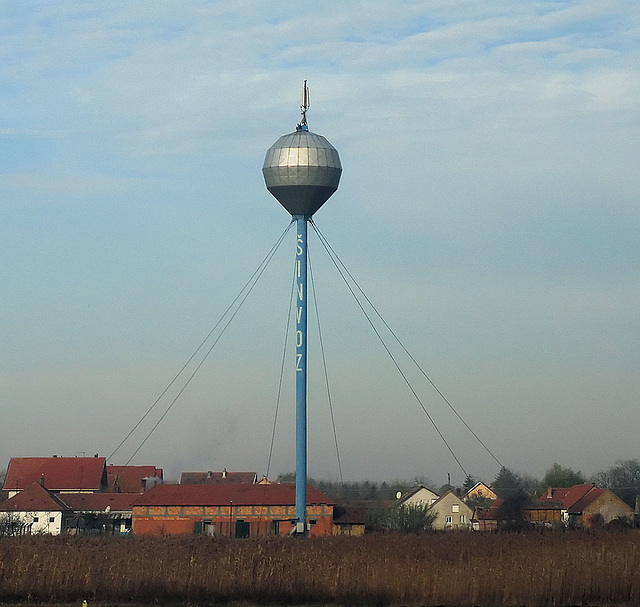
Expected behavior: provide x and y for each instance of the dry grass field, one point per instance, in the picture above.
(435, 569)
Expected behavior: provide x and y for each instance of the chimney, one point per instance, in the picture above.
(224, 473)
(41, 481)
(549, 493)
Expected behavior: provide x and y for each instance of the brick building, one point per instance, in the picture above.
(228, 509)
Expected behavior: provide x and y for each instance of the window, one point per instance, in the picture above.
(455, 508)
(52, 519)
(448, 520)
(36, 519)
(463, 518)
(242, 529)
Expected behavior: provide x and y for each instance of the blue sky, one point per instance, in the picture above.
(488, 207)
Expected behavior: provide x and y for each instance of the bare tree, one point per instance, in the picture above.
(12, 524)
(623, 478)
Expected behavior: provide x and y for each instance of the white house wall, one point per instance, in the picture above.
(49, 523)
(452, 513)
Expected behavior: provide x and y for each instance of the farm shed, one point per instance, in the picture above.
(231, 510)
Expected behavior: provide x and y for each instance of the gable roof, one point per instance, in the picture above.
(59, 473)
(130, 479)
(585, 500)
(35, 498)
(566, 497)
(447, 497)
(223, 494)
(482, 490)
(210, 478)
(407, 496)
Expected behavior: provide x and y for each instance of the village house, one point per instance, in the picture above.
(37, 510)
(451, 512)
(579, 506)
(59, 474)
(480, 492)
(55, 495)
(34, 510)
(228, 509)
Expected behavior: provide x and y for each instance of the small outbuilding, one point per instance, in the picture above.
(349, 520)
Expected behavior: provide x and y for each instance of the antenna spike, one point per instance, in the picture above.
(304, 106)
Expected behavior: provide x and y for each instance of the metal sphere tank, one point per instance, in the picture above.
(302, 170)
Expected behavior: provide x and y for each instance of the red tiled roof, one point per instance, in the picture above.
(488, 514)
(34, 498)
(209, 478)
(221, 494)
(582, 503)
(567, 496)
(59, 473)
(129, 479)
(98, 502)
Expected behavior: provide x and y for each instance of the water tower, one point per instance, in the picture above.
(302, 170)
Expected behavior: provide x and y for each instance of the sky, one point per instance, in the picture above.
(488, 207)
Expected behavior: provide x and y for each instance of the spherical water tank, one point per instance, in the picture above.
(302, 170)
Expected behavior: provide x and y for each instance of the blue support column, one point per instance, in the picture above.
(301, 374)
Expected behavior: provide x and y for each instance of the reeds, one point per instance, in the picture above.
(434, 569)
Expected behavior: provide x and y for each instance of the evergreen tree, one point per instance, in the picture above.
(558, 476)
(506, 479)
(469, 482)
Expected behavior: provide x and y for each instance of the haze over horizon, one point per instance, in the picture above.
(488, 207)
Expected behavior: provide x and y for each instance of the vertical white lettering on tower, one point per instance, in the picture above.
(299, 335)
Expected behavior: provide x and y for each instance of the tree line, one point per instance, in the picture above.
(623, 478)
